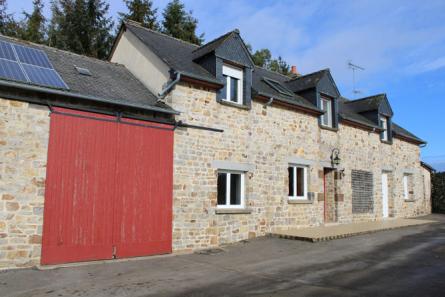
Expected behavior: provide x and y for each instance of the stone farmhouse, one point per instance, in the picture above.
(173, 147)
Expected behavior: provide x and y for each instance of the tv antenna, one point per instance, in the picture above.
(354, 68)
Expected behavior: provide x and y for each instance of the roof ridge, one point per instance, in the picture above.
(367, 97)
(305, 75)
(225, 35)
(39, 45)
(158, 33)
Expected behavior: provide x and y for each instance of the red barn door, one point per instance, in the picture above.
(108, 188)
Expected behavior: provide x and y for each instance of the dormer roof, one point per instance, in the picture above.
(378, 103)
(229, 46)
(322, 80)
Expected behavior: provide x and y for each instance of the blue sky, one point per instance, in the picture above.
(401, 45)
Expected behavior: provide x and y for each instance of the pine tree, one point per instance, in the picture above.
(8, 25)
(280, 66)
(263, 58)
(81, 26)
(141, 11)
(34, 24)
(179, 23)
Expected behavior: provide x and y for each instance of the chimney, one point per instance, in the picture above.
(293, 70)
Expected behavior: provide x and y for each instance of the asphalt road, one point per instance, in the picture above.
(403, 262)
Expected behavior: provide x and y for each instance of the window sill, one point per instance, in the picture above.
(328, 128)
(409, 200)
(232, 104)
(233, 211)
(299, 201)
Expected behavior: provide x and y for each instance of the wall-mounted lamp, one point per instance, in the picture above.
(335, 159)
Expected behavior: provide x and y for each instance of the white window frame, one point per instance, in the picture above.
(242, 194)
(235, 73)
(384, 126)
(305, 182)
(405, 186)
(326, 103)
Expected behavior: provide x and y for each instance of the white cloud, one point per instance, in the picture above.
(427, 66)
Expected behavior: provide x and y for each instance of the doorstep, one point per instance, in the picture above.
(323, 233)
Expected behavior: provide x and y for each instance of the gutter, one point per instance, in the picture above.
(10, 84)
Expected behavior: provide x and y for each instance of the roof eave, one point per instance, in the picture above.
(410, 139)
(90, 98)
(313, 111)
(188, 77)
(359, 124)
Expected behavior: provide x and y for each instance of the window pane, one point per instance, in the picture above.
(300, 181)
(224, 89)
(235, 189)
(291, 181)
(233, 89)
(329, 112)
(222, 185)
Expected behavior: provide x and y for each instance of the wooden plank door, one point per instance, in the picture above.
(80, 169)
(143, 205)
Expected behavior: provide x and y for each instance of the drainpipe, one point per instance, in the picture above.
(168, 88)
(269, 103)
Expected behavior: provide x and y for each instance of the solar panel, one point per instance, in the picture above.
(44, 76)
(30, 65)
(11, 70)
(6, 51)
(32, 56)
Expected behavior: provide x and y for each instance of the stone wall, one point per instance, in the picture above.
(24, 131)
(263, 137)
(267, 138)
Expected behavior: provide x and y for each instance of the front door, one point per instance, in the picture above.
(385, 195)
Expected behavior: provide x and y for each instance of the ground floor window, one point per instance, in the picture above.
(230, 189)
(408, 191)
(297, 182)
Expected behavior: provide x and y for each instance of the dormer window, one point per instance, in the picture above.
(326, 106)
(384, 126)
(234, 84)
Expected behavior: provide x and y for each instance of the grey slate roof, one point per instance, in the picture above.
(348, 109)
(398, 130)
(262, 88)
(304, 82)
(346, 112)
(180, 55)
(367, 103)
(109, 81)
(211, 45)
(176, 53)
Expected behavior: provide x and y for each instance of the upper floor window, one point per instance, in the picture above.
(234, 84)
(230, 189)
(326, 106)
(384, 126)
(297, 182)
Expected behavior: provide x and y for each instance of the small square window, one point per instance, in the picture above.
(234, 84)
(326, 118)
(297, 182)
(230, 189)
